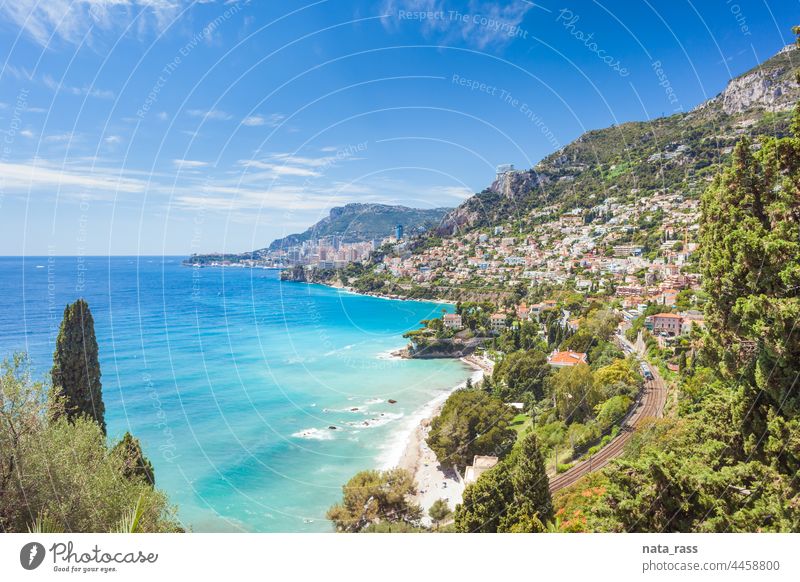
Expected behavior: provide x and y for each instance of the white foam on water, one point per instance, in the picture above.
(316, 434)
(376, 420)
(390, 354)
(395, 447)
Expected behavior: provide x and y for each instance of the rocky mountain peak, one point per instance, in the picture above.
(515, 183)
(770, 87)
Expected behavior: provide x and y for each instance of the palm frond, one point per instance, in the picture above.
(129, 523)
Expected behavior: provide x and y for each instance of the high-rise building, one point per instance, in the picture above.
(398, 232)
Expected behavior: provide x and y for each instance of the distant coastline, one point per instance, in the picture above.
(339, 286)
(351, 290)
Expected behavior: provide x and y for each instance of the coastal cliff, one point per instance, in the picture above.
(428, 349)
(296, 274)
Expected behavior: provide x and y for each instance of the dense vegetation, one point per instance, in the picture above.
(471, 423)
(372, 497)
(512, 497)
(57, 472)
(728, 459)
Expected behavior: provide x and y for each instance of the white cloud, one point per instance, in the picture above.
(272, 120)
(74, 20)
(19, 73)
(26, 133)
(276, 170)
(285, 165)
(39, 173)
(212, 114)
(58, 87)
(232, 198)
(113, 139)
(189, 164)
(303, 161)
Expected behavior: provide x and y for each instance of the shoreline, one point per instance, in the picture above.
(433, 481)
(338, 286)
(352, 291)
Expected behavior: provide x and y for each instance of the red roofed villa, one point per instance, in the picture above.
(564, 359)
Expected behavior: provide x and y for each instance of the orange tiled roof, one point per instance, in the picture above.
(567, 358)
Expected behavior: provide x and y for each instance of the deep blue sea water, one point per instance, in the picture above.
(231, 378)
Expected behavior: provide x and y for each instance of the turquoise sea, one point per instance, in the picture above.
(231, 378)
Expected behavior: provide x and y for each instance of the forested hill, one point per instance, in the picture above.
(363, 222)
(679, 153)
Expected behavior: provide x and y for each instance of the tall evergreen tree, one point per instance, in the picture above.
(530, 482)
(485, 502)
(134, 464)
(750, 236)
(76, 367)
(513, 497)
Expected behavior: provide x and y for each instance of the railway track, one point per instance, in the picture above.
(651, 405)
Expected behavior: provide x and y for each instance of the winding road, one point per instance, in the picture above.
(650, 405)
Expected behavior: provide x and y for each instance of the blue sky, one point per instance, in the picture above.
(170, 127)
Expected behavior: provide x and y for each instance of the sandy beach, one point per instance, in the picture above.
(434, 481)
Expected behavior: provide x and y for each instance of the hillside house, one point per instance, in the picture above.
(480, 464)
(564, 359)
(669, 323)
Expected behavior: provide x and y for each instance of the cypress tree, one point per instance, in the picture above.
(485, 502)
(751, 272)
(682, 362)
(76, 367)
(513, 497)
(134, 463)
(530, 483)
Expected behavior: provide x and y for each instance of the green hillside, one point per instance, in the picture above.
(363, 222)
(679, 153)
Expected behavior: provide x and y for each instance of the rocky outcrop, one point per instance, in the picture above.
(508, 191)
(770, 90)
(443, 348)
(464, 216)
(296, 274)
(513, 185)
(769, 87)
